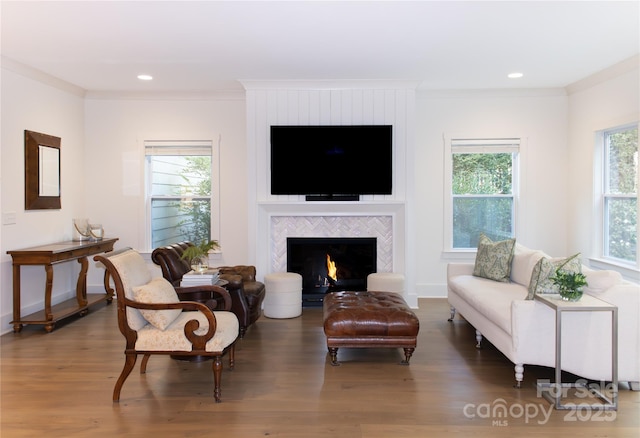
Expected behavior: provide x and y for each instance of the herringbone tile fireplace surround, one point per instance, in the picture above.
(379, 227)
(383, 220)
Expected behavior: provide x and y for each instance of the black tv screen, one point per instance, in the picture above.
(331, 160)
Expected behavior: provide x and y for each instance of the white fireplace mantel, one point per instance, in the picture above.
(330, 208)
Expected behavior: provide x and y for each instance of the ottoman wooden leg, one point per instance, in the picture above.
(408, 352)
(334, 356)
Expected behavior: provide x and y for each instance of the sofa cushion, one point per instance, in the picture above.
(490, 298)
(545, 269)
(158, 291)
(493, 259)
(524, 260)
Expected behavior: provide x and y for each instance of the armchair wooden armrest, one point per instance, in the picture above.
(198, 341)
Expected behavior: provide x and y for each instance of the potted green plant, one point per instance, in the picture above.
(569, 284)
(198, 255)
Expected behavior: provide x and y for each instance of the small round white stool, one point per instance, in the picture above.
(283, 295)
(385, 282)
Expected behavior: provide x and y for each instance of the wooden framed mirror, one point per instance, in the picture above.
(42, 171)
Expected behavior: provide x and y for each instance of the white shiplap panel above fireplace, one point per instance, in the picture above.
(330, 103)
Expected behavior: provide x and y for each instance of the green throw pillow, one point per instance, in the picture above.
(493, 259)
(545, 269)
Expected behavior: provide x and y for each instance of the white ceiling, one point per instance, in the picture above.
(204, 46)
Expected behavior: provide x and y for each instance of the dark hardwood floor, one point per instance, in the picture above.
(60, 385)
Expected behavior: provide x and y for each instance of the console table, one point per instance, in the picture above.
(553, 392)
(47, 256)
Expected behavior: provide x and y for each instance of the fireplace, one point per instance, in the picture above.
(329, 264)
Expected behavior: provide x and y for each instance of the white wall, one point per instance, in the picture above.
(57, 110)
(610, 99)
(114, 163)
(538, 116)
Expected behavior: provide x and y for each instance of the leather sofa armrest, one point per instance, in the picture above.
(254, 288)
(247, 272)
(217, 296)
(235, 281)
(239, 304)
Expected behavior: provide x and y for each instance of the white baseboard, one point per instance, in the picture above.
(430, 290)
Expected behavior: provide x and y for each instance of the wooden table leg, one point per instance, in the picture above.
(107, 287)
(47, 292)
(17, 326)
(81, 286)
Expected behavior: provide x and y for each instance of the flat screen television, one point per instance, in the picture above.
(327, 162)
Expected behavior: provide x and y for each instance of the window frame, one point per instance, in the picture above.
(601, 179)
(182, 147)
(478, 144)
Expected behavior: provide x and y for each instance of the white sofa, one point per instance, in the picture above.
(524, 330)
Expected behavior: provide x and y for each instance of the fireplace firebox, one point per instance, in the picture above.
(329, 264)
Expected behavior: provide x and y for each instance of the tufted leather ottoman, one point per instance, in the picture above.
(369, 320)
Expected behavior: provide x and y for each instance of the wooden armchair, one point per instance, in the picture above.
(153, 320)
(247, 294)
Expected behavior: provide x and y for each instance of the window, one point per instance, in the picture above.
(620, 195)
(180, 205)
(482, 190)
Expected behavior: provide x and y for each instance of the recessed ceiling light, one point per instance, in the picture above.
(145, 77)
(515, 75)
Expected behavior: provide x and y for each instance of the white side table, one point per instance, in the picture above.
(553, 392)
(283, 295)
(385, 282)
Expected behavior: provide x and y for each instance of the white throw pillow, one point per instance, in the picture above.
(524, 259)
(134, 272)
(158, 291)
(600, 281)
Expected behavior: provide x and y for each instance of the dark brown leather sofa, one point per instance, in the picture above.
(246, 292)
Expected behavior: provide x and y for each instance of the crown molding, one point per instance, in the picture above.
(40, 76)
(169, 95)
(492, 92)
(619, 69)
(348, 84)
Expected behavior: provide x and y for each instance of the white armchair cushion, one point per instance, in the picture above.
(160, 291)
(133, 271)
(174, 339)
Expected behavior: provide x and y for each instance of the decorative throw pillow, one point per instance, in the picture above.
(158, 291)
(545, 269)
(601, 281)
(524, 260)
(493, 259)
(134, 272)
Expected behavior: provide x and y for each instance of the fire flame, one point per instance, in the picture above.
(332, 271)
